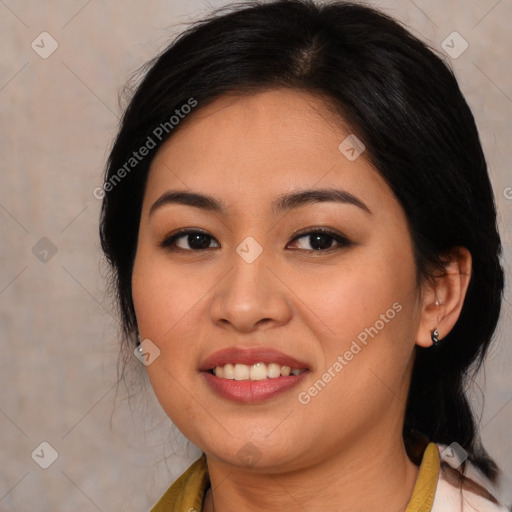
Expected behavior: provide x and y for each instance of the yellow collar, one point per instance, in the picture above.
(424, 490)
(188, 491)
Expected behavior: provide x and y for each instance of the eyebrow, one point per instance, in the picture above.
(283, 203)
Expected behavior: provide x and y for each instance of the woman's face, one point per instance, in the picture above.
(345, 306)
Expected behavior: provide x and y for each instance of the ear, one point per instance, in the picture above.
(443, 296)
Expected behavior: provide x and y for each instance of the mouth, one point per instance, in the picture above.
(255, 372)
(254, 363)
(251, 375)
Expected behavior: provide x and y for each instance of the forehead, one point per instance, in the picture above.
(250, 149)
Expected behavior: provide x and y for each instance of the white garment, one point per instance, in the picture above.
(451, 499)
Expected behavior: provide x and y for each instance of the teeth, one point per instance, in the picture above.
(228, 372)
(273, 370)
(241, 372)
(258, 371)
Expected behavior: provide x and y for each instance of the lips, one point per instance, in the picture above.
(250, 356)
(250, 392)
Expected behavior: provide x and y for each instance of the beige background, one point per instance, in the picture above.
(57, 335)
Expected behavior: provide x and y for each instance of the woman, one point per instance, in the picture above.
(303, 239)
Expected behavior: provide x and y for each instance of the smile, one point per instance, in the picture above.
(255, 372)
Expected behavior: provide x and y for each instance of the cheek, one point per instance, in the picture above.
(148, 296)
(162, 295)
(365, 335)
(164, 301)
(368, 314)
(351, 298)
(172, 311)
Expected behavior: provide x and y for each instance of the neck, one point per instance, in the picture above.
(364, 476)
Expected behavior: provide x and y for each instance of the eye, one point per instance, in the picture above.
(196, 240)
(320, 239)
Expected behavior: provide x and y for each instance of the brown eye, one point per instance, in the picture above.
(320, 240)
(188, 240)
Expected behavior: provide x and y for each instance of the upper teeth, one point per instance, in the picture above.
(258, 371)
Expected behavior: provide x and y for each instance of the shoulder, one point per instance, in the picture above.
(449, 498)
(188, 491)
(471, 493)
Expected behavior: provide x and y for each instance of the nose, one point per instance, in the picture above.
(250, 297)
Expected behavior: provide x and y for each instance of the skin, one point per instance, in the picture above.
(344, 449)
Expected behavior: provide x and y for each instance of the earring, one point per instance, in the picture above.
(435, 337)
(139, 344)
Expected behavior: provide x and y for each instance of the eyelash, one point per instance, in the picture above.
(343, 242)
